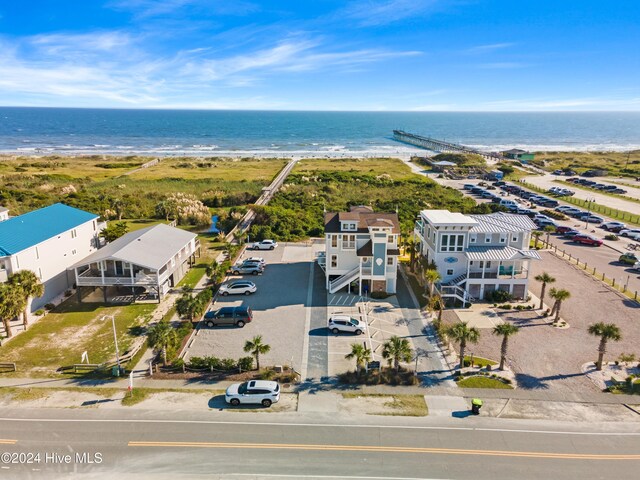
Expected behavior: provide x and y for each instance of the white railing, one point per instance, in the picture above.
(343, 280)
(84, 281)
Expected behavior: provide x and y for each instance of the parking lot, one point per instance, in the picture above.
(279, 309)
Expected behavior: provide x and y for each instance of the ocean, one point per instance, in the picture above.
(209, 133)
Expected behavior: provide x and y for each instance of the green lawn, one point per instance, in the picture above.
(482, 362)
(397, 169)
(60, 337)
(483, 382)
(618, 163)
(193, 276)
(603, 192)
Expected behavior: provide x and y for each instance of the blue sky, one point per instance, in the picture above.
(452, 55)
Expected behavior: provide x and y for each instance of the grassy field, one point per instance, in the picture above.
(59, 338)
(483, 382)
(602, 192)
(397, 169)
(481, 362)
(29, 183)
(615, 162)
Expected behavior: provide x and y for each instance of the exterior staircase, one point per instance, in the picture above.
(344, 280)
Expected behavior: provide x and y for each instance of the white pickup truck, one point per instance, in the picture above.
(265, 245)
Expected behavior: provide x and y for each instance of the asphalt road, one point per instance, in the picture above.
(136, 446)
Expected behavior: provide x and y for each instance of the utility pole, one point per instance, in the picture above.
(586, 222)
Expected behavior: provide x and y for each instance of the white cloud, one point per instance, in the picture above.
(113, 68)
(371, 13)
(144, 9)
(489, 48)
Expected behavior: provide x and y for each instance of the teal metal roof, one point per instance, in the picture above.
(25, 231)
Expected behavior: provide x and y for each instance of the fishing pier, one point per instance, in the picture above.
(440, 145)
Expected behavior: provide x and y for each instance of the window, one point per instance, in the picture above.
(487, 239)
(17, 262)
(334, 241)
(390, 261)
(481, 263)
(390, 239)
(349, 226)
(73, 252)
(488, 265)
(37, 254)
(74, 234)
(348, 242)
(450, 272)
(472, 238)
(514, 238)
(334, 261)
(39, 273)
(452, 243)
(503, 238)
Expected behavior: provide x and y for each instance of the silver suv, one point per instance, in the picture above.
(344, 323)
(247, 268)
(258, 392)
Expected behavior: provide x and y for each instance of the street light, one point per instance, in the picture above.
(586, 222)
(115, 338)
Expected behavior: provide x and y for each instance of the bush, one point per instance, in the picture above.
(245, 364)
(498, 296)
(40, 312)
(379, 295)
(611, 237)
(49, 306)
(506, 306)
(68, 293)
(267, 374)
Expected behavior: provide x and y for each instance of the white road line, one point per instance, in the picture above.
(307, 326)
(322, 425)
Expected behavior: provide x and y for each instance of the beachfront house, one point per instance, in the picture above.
(477, 254)
(519, 155)
(139, 265)
(361, 250)
(47, 241)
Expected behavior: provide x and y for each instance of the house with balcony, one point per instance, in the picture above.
(146, 262)
(361, 250)
(47, 242)
(477, 254)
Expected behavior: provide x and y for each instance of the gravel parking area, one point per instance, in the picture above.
(544, 357)
(278, 307)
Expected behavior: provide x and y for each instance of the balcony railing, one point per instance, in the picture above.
(502, 274)
(93, 277)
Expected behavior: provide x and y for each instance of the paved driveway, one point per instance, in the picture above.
(279, 306)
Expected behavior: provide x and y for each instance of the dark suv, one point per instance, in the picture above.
(237, 316)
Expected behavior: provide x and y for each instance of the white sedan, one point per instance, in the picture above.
(241, 287)
(265, 245)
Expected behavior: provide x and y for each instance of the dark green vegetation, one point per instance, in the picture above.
(387, 185)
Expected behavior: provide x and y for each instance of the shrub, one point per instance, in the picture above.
(489, 368)
(506, 306)
(245, 363)
(498, 296)
(49, 306)
(611, 237)
(267, 374)
(68, 293)
(40, 312)
(379, 295)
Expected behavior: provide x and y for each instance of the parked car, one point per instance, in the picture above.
(562, 229)
(629, 258)
(541, 223)
(344, 323)
(241, 287)
(592, 219)
(468, 186)
(547, 202)
(254, 392)
(587, 240)
(265, 245)
(477, 190)
(613, 226)
(238, 316)
(571, 234)
(619, 191)
(499, 183)
(487, 194)
(557, 172)
(636, 267)
(258, 260)
(247, 268)
(628, 232)
(562, 208)
(572, 211)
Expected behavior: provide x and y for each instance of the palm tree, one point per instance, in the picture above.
(256, 348)
(436, 303)
(549, 229)
(460, 332)
(432, 276)
(536, 235)
(162, 336)
(12, 303)
(545, 278)
(361, 354)
(397, 350)
(559, 296)
(505, 330)
(30, 285)
(606, 332)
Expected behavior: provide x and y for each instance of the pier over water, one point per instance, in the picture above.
(440, 145)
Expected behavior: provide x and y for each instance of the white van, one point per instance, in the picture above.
(506, 203)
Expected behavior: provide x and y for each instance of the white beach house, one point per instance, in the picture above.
(47, 241)
(477, 254)
(361, 246)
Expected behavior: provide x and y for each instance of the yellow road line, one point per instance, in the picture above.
(367, 448)
(7, 442)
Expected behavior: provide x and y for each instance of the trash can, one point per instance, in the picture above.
(476, 405)
(115, 371)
